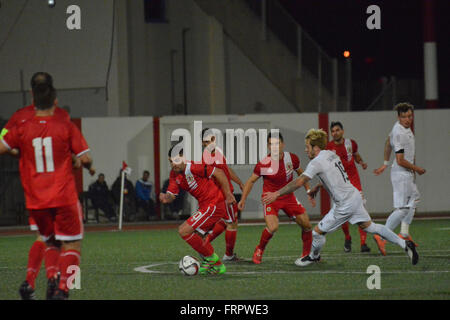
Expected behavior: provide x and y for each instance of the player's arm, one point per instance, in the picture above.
(359, 160)
(248, 186)
(307, 188)
(235, 178)
(400, 157)
(270, 197)
(3, 148)
(87, 162)
(221, 178)
(167, 197)
(387, 155)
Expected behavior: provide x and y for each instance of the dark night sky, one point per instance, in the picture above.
(396, 49)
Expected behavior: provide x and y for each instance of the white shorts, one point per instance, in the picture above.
(405, 190)
(352, 211)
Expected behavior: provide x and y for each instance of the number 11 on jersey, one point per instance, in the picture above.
(38, 145)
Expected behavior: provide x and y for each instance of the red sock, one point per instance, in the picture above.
(196, 242)
(35, 257)
(51, 261)
(265, 237)
(219, 227)
(230, 240)
(363, 236)
(307, 242)
(67, 259)
(346, 231)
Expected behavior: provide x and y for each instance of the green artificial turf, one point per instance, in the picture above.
(109, 260)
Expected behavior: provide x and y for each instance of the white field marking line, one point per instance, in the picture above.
(357, 255)
(146, 269)
(442, 228)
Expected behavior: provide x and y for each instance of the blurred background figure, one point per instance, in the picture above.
(101, 197)
(145, 196)
(129, 211)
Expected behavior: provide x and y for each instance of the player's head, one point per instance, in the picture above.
(208, 139)
(315, 140)
(275, 143)
(145, 175)
(337, 130)
(44, 94)
(176, 158)
(405, 112)
(101, 178)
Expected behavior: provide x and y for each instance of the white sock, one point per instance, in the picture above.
(387, 234)
(396, 217)
(317, 244)
(404, 229)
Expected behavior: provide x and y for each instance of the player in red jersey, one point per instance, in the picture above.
(277, 170)
(347, 150)
(46, 143)
(38, 251)
(196, 179)
(213, 155)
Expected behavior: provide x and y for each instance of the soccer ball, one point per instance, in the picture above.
(189, 266)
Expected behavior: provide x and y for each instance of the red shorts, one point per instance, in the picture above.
(291, 206)
(206, 217)
(65, 223)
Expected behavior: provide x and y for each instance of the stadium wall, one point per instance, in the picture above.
(131, 139)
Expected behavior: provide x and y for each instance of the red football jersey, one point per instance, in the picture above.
(345, 151)
(46, 145)
(276, 179)
(28, 112)
(217, 160)
(196, 179)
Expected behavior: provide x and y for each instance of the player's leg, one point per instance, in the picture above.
(362, 233)
(390, 236)
(201, 222)
(44, 223)
(218, 229)
(271, 218)
(294, 209)
(35, 255)
(69, 230)
(231, 234)
(328, 224)
(413, 201)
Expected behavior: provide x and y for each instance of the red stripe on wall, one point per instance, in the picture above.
(78, 173)
(325, 203)
(157, 163)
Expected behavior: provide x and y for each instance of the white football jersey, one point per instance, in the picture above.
(327, 166)
(402, 138)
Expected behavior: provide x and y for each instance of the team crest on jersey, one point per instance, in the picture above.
(269, 209)
(178, 180)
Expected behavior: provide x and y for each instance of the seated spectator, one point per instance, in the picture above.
(129, 213)
(145, 196)
(100, 197)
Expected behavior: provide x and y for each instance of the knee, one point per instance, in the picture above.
(272, 229)
(183, 231)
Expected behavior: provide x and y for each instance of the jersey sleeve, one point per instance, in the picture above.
(257, 169)
(354, 146)
(78, 144)
(398, 142)
(11, 138)
(173, 187)
(312, 169)
(295, 161)
(202, 170)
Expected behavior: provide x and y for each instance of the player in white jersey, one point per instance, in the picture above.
(406, 195)
(348, 202)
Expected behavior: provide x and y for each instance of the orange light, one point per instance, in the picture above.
(346, 54)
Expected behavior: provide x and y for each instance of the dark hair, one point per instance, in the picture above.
(403, 107)
(276, 135)
(146, 172)
(180, 153)
(336, 123)
(44, 94)
(101, 175)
